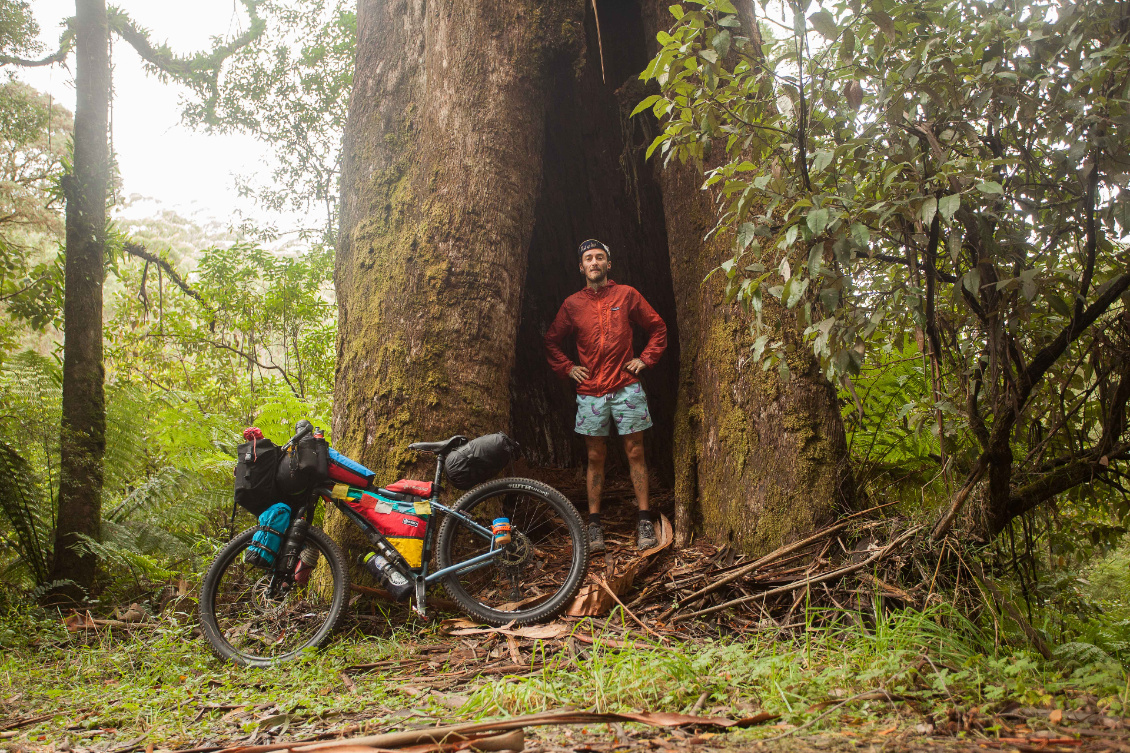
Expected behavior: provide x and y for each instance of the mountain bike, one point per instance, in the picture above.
(257, 617)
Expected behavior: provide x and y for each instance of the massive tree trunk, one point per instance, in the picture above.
(83, 438)
(439, 186)
(484, 142)
(759, 459)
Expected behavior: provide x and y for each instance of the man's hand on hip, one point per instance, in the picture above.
(635, 366)
(579, 373)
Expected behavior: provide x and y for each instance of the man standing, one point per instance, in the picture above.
(608, 388)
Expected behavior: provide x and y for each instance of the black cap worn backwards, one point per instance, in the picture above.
(592, 243)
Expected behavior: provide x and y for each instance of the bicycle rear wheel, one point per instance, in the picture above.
(257, 617)
(540, 570)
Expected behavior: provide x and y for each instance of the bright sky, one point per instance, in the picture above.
(185, 170)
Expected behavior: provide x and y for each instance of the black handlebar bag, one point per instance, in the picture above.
(257, 462)
(304, 464)
(479, 460)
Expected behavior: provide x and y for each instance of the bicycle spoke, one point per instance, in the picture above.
(265, 616)
(534, 566)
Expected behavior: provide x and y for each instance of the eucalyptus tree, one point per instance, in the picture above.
(484, 142)
(940, 179)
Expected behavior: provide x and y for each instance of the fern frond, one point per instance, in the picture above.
(21, 503)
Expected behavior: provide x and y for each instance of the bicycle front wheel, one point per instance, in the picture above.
(538, 573)
(256, 617)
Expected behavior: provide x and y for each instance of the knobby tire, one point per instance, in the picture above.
(232, 556)
(554, 537)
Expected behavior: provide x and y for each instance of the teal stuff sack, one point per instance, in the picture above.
(265, 543)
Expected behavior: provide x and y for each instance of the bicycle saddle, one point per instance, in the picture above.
(439, 448)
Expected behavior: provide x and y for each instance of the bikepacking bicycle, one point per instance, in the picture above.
(509, 550)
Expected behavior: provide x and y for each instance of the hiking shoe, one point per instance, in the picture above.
(596, 538)
(645, 535)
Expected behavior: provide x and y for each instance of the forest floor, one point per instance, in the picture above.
(821, 680)
(906, 684)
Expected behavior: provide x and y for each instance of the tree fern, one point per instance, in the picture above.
(21, 503)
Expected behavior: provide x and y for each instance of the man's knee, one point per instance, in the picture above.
(597, 451)
(633, 447)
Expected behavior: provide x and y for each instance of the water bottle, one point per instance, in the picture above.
(501, 530)
(307, 561)
(296, 539)
(387, 575)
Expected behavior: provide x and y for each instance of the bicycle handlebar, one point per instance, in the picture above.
(304, 427)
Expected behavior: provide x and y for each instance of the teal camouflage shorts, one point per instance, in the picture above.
(626, 408)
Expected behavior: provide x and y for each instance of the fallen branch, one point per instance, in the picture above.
(805, 582)
(612, 642)
(946, 521)
(460, 732)
(18, 723)
(776, 554)
(602, 584)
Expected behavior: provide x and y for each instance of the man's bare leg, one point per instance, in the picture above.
(633, 447)
(637, 464)
(598, 450)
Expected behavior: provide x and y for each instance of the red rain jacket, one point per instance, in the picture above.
(602, 321)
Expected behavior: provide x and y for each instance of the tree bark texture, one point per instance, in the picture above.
(440, 181)
(83, 439)
(485, 141)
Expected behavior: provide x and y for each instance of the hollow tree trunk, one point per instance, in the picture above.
(83, 439)
(440, 180)
(483, 144)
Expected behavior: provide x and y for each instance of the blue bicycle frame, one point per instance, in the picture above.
(420, 576)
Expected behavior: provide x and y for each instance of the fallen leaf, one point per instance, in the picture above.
(77, 621)
(512, 645)
(534, 632)
(1056, 716)
(889, 730)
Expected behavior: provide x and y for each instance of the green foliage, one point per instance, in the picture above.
(891, 427)
(18, 29)
(160, 675)
(30, 389)
(948, 170)
(20, 503)
(34, 142)
(261, 321)
(290, 88)
(199, 71)
(788, 676)
(162, 681)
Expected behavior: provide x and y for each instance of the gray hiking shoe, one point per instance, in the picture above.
(596, 538)
(645, 535)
